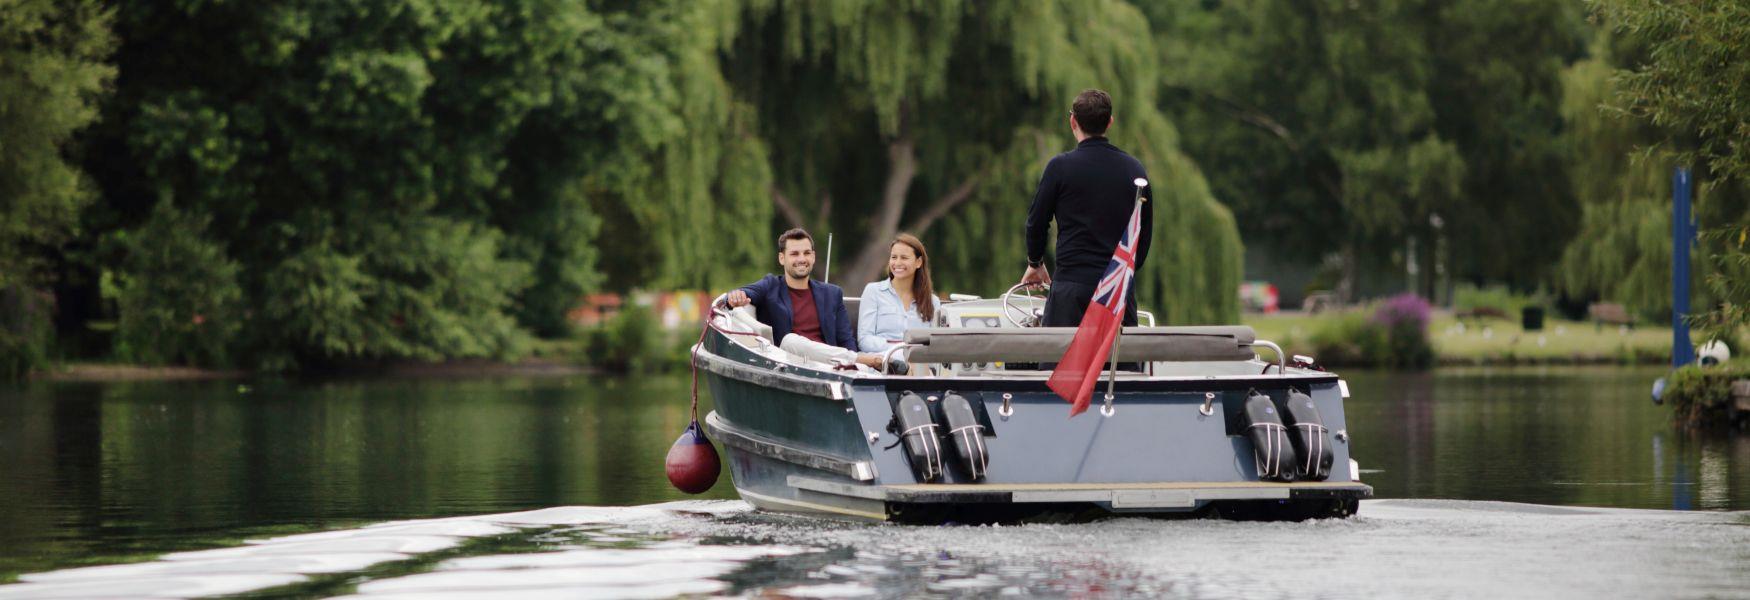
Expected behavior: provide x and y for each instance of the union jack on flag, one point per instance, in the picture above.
(1111, 291)
(1076, 374)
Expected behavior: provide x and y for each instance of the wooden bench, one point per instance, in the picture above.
(1604, 313)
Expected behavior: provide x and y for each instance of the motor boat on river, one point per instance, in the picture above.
(1195, 423)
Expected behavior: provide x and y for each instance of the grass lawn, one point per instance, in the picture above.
(1497, 341)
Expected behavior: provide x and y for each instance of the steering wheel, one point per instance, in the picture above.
(1021, 316)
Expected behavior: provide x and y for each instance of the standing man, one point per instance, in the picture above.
(807, 317)
(1090, 192)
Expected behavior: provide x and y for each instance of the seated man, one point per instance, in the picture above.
(807, 317)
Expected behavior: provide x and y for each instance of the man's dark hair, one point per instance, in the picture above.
(1093, 111)
(793, 234)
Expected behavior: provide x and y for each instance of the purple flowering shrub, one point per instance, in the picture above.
(1403, 310)
(1404, 318)
(1393, 333)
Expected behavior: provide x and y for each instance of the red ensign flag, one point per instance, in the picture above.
(1079, 370)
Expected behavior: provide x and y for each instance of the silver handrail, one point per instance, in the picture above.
(1281, 359)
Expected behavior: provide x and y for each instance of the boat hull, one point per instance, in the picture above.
(826, 444)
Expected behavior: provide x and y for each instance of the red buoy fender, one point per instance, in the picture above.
(692, 462)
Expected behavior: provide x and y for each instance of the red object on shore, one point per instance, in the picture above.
(692, 462)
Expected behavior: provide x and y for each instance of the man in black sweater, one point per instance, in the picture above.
(1090, 191)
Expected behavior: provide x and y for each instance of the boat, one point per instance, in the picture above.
(1193, 423)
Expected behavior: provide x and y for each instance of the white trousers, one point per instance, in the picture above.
(816, 351)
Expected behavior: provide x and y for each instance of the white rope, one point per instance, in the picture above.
(1315, 436)
(1272, 451)
(932, 450)
(976, 446)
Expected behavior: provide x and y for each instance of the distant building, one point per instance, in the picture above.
(673, 310)
(594, 309)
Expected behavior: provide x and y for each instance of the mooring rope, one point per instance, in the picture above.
(693, 358)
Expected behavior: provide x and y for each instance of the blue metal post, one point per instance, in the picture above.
(1682, 238)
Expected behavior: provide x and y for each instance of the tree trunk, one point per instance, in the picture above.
(1346, 280)
(902, 168)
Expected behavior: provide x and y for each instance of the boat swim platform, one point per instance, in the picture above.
(1155, 496)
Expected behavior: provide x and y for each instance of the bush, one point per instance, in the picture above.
(1405, 320)
(632, 342)
(1700, 397)
(1392, 334)
(178, 298)
(1493, 300)
(25, 331)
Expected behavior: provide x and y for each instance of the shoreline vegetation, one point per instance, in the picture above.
(1488, 342)
(633, 343)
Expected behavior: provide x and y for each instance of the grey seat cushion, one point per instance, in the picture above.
(1046, 344)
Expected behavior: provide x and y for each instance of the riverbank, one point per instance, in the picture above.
(1456, 343)
(1497, 341)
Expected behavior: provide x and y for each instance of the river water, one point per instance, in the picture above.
(1522, 482)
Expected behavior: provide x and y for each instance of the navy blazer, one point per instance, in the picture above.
(771, 305)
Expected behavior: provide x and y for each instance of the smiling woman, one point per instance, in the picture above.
(906, 299)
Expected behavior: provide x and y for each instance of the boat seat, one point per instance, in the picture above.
(851, 306)
(1047, 344)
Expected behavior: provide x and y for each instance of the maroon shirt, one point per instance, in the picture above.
(804, 320)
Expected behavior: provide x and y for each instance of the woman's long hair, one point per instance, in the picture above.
(921, 291)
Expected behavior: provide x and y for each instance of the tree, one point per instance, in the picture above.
(1689, 83)
(882, 117)
(356, 162)
(1363, 131)
(1622, 252)
(53, 69)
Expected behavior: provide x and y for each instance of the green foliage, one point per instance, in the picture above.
(177, 292)
(53, 72)
(631, 342)
(1697, 56)
(1343, 129)
(427, 288)
(974, 97)
(25, 331)
(1701, 396)
(680, 176)
(1359, 338)
(1650, 98)
(1623, 251)
(1729, 283)
(1348, 339)
(1498, 298)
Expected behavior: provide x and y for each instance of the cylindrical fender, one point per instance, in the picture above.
(917, 428)
(968, 435)
(1270, 446)
(1306, 430)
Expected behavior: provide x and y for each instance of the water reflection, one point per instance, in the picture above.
(94, 473)
(1551, 435)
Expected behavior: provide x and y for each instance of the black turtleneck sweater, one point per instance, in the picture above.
(1089, 192)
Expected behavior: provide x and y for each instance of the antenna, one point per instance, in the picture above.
(828, 277)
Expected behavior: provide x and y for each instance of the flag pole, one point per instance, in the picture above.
(1112, 377)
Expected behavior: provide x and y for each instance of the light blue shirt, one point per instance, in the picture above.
(881, 320)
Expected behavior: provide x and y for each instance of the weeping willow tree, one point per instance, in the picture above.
(1689, 81)
(1622, 252)
(1621, 172)
(686, 195)
(938, 118)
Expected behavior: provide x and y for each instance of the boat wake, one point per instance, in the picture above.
(1394, 548)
